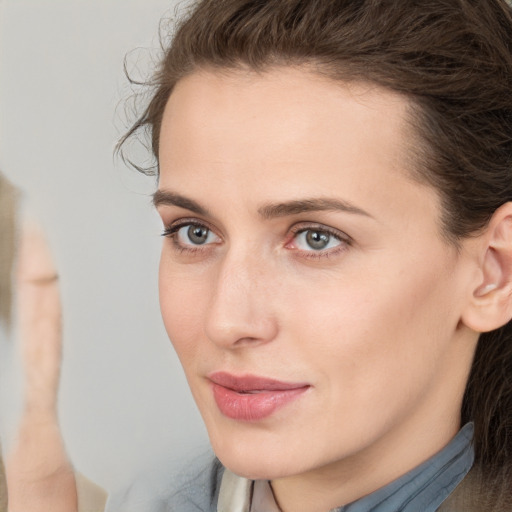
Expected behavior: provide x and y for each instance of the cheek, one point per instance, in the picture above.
(376, 335)
(182, 299)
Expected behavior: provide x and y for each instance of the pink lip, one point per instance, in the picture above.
(252, 398)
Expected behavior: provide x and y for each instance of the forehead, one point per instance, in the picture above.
(286, 132)
(280, 110)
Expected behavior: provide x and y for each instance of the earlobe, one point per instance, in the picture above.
(491, 303)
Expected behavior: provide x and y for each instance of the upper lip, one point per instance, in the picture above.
(241, 383)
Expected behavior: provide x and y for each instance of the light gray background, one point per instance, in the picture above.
(124, 401)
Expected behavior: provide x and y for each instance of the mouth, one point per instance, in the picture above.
(251, 398)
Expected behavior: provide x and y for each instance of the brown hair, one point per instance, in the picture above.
(453, 60)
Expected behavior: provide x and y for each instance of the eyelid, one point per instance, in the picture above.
(177, 224)
(306, 226)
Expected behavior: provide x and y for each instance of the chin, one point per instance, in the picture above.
(255, 469)
(257, 460)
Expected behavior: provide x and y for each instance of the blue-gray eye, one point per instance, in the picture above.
(197, 234)
(316, 240)
(193, 234)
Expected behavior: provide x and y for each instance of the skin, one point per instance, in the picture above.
(374, 323)
(39, 473)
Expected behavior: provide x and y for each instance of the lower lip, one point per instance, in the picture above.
(253, 406)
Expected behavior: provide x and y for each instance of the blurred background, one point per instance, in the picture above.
(124, 402)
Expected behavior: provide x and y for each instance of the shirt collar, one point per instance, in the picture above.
(423, 488)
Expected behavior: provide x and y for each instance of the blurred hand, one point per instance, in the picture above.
(39, 475)
(39, 311)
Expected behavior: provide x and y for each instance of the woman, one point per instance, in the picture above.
(336, 274)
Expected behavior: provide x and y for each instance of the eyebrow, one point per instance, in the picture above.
(166, 198)
(271, 210)
(268, 211)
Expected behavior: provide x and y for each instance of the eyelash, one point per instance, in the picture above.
(345, 241)
(172, 233)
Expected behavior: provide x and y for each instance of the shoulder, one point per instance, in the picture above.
(194, 488)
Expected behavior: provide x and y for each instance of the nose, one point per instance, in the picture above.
(241, 309)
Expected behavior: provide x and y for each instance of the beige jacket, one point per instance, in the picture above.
(471, 496)
(91, 497)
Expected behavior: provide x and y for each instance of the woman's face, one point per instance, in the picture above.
(304, 281)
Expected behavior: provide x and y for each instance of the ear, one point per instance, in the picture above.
(490, 306)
